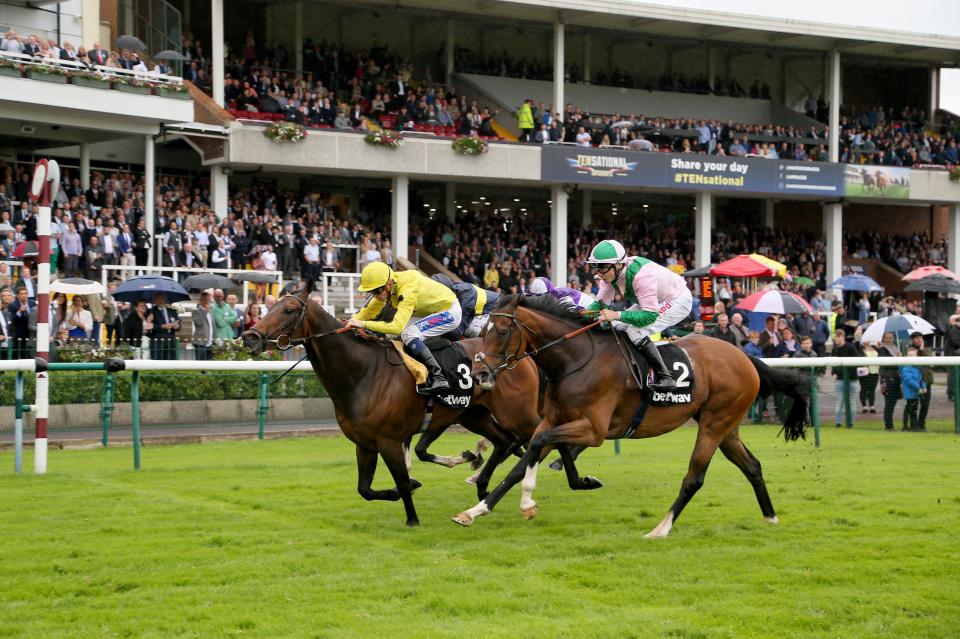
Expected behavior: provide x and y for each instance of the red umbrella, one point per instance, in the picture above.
(26, 249)
(924, 271)
(772, 301)
(743, 266)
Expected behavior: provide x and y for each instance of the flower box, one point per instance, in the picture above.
(92, 83)
(132, 88)
(12, 72)
(56, 78)
(176, 95)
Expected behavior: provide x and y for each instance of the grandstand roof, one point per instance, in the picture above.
(691, 25)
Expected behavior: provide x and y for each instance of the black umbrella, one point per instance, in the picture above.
(269, 105)
(131, 42)
(703, 271)
(202, 281)
(145, 287)
(257, 277)
(935, 284)
(171, 55)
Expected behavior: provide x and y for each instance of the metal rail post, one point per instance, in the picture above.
(135, 417)
(815, 407)
(956, 399)
(263, 405)
(18, 426)
(847, 409)
(107, 408)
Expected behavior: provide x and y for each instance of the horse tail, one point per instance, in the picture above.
(794, 385)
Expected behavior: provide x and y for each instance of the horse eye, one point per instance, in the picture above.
(503, 332)
(288, 311)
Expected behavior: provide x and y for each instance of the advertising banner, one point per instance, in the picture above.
(891, 182)
(687, 172)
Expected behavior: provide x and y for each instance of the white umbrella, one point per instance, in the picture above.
(896, 324)
(76, 286)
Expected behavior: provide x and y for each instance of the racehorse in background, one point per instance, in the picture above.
(378, 407)
(592, 395)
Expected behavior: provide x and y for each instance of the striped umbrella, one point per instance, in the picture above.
(924, 271)
(773, 301)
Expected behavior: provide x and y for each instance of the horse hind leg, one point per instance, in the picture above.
(575, 451)
(574, 480)
(738, 454)
(430, 436)
(703, 452)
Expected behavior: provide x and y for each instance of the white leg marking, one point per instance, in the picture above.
(771, 520)
(466, 517)
(449, 462)
(662, 529)
(472, 479)
(407, 458)
(528, 485)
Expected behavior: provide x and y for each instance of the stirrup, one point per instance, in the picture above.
(433, 385)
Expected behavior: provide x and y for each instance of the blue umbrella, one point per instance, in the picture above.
(856, 283)
(146, 287)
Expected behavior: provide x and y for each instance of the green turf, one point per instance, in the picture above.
(269, 539)
(894, 191)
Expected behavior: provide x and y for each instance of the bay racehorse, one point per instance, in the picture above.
(376, 402)
(592, 395)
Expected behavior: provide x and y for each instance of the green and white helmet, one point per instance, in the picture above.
(607, 252)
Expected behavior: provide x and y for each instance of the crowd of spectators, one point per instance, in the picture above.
(41, 49)
(882, 136)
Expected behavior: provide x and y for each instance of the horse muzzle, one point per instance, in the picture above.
(253, 340)
(485, 377)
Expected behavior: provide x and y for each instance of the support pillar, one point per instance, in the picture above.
(703, 231)
(586, 213)
(953, 237)
(833, 236)
(711, 68)
(219, 191)
(769, 206)
(149, 191)
(934, 94)
(216, 49)
(85, 165)
(558, 64)
(400, 216)
(835, 97)
(451, 52)
(450, 201)
(298, 34)
(558, 234)
(586, 58)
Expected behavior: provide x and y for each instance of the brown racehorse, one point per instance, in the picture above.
(377, 405)
(592, 396)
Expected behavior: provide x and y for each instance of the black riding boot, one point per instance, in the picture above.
(436, 382)
(663, 380)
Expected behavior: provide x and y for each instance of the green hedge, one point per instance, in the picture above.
(81, 387)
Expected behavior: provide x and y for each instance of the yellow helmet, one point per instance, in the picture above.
(374, 275)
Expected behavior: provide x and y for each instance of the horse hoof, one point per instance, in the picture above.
(556, 465)
(477, 463)
(591, 483)
(772, 520)
(529, 513)
(413, 523)
(468, 456)
(655, 534)
(414, 484)
(464, 519)
(472, 480)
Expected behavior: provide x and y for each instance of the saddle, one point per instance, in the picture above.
(456, 365)
(676, 360)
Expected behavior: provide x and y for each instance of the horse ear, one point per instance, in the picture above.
(308, 287)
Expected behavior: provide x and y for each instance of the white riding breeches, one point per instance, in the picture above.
(476, 325)
(670, 313)
(433, 325)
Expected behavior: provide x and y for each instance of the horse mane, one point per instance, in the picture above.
(547, 304)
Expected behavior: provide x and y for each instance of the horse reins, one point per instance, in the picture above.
(510, 361)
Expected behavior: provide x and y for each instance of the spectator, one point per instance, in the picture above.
(311, 254)
(6, 324)
(94, 259)
(139, 322)
(769, 337)
(525, 120)
(698, 328)
(204, 327)
(788, 344)
(251, 316)
(913, 388)
(889, 379)
(224, 316)
(869, 377)
(821, 333)
(331, 257)
(951, 347)
(722, 330)
(78, 320)
(926, 372)
(844, 375)
(738, 329)
(752, 346)
(163, 339)
(24, 324)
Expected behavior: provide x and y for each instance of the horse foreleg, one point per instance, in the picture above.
(703, 452)
(392, 453)
(430, 436)
(567, 457)
(733, 449)
(366, 467)
(575, 451)
(488, 503)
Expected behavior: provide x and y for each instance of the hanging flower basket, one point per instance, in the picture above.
(285, 132)
(47, 73)
(10, 70)
(384, 138)
(955, 174)
(470, 146)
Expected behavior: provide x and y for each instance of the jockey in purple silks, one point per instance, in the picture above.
(572, 296)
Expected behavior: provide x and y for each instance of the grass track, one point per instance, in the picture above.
(270, 539)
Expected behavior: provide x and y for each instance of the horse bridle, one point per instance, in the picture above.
(510, 361)
(283, 341)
